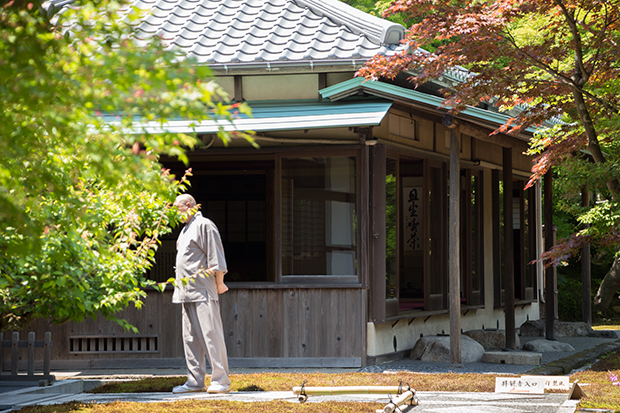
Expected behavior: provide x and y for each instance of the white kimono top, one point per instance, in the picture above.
(199, 254)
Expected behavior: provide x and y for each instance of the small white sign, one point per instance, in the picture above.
(524, 385)
(554, 382)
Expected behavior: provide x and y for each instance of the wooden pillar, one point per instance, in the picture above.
(454, 263)
(549, 272)
(454, 260)
(377, 229)
(586, 275)
(509, 270)
(363, 197)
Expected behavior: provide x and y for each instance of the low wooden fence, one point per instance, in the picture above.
(15, 344)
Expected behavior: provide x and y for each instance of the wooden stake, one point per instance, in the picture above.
(407, 396)
(329, 391)
(303, 392)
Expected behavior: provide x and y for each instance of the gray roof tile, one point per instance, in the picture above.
(255, 31)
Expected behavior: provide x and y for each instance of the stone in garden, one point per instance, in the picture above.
(542, 345)
(532, 328)
(604, 334)
(561, 329)
(491, 339)
(437, 348)
(567, 329)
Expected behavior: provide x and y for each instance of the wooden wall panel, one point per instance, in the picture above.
(293, 322)
(258, 323)
(274, 326)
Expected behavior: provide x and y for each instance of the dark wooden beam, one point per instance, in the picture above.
(238, 88)
(277, 219)
(377, 232)
(500, 139)
(322, 84)
(509, 275)
(468, 128)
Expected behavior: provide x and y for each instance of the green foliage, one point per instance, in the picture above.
(378, 9)
(82, 201)
(569, 299)
(539, 61)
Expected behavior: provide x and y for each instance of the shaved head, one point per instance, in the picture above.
(187, 205)
(184, 199)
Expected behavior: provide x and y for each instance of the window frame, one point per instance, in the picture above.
(474, 294)
(524, 295)
(314, 280)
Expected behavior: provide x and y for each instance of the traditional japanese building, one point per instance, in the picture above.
(336, 228)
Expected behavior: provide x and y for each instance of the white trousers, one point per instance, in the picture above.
(203, 335)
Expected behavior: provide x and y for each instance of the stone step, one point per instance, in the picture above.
(526, 358)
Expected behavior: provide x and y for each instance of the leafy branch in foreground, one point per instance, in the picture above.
(83, 200)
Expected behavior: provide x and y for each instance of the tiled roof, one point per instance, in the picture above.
(224, 32)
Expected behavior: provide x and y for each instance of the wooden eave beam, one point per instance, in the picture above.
(466, 126)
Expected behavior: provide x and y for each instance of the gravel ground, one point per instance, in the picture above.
(578, 343)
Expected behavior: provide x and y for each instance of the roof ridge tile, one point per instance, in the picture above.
(220, 32)
(383, 31)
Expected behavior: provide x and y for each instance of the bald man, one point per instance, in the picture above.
(200, 269)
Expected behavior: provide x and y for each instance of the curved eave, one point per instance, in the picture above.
(278, 116)
(479, 116)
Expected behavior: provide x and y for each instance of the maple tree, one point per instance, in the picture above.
(83, 201)
(549, 59)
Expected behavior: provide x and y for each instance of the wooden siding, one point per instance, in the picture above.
(293, 322)
(268, 324)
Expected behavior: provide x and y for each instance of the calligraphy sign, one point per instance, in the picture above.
(554, 382)
(525, 385)
(412, 212)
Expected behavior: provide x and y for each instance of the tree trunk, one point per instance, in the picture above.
(609, 287)
(594, 145)
(611, 282)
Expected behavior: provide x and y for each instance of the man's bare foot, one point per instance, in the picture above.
(222, 288)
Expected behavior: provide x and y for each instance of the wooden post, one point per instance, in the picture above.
(238, 84)
(509, 271)
(586, 274)
(30, 368)
(47, 352)
(454, 260)
(549, 272)
(14, 353)
(377, 231)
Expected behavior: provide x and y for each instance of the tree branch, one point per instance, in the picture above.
(572, 24)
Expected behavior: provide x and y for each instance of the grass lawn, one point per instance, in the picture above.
(606, 327)
(601, 393)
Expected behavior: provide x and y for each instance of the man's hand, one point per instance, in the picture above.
(219, 282)
(222, 288)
